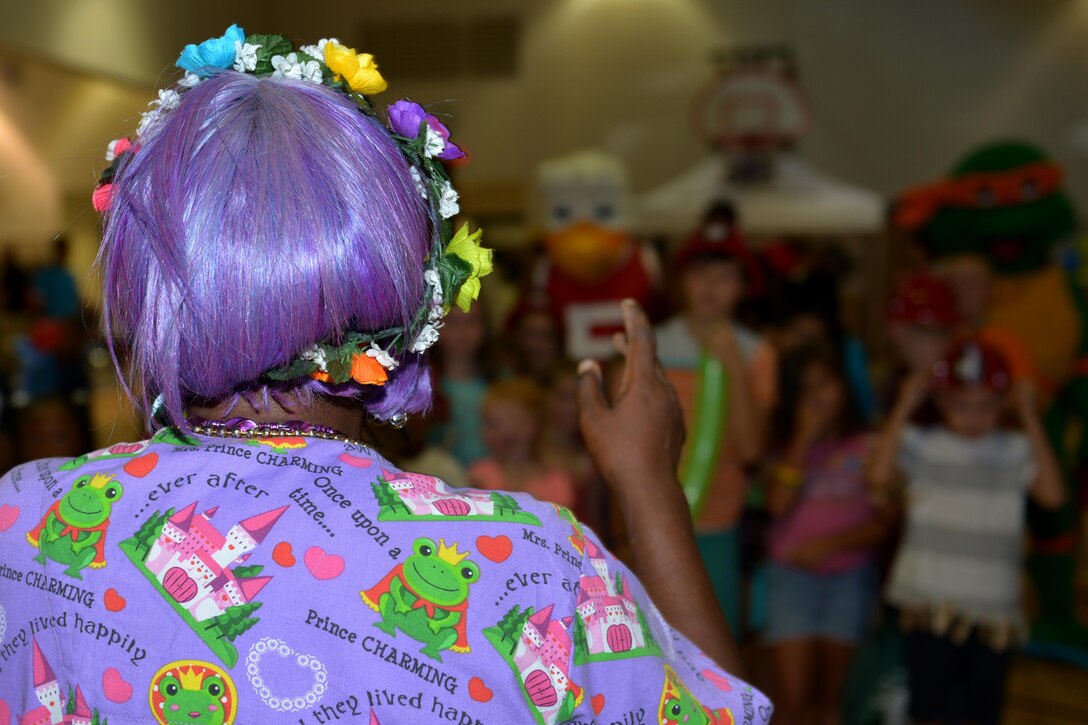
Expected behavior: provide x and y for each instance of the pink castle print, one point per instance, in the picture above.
(610, 624)
(537, 646)
(54, 707)
(543, 656)
(404, 496)
(202, 572)
(192, 559)
(426, 494)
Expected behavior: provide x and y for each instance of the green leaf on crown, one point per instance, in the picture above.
(297, 368)
(453, 272)
(270, 45)
(339, 362)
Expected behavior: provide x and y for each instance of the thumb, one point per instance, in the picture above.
(591, 398)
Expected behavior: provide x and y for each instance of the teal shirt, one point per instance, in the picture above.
(462, 434)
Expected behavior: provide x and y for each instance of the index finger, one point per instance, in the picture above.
(641, 344)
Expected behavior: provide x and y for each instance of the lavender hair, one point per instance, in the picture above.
(257, 217)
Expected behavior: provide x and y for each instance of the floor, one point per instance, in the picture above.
(1046, 693)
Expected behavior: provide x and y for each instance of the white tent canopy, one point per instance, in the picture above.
(799, 200)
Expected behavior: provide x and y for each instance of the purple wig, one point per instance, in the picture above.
(256, 218)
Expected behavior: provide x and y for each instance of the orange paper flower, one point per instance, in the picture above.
(366, 370)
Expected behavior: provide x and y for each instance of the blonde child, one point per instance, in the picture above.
(563, 446)
(511, 434)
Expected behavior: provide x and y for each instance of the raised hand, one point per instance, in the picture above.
(636, 436)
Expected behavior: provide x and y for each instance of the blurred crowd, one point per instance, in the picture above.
(46, 338)
(799, 460)
(802, 433)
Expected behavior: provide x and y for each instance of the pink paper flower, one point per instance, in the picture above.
(102, 197)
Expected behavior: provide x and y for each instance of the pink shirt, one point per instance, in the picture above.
(834, 498)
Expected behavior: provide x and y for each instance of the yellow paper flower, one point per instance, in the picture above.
(358, 70)
(467, 247)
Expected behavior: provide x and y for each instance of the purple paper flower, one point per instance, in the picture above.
(407, 119)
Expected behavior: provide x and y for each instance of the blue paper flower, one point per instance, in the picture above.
(212, 55)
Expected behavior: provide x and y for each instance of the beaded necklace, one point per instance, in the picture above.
(246, 428)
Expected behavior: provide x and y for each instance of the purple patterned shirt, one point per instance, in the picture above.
(298, 580)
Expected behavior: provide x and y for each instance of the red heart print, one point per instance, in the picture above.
(114, 602)
(495, 548)
(5, 713)
(283, 555)
(717, 680)
(323, 565)
(8, 516)
(598, 703)
(355, 461)
(140, 467)
(478, 691)
(115, 687)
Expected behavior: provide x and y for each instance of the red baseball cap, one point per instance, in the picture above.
(926, 300)
(719, 235)
(716, 235)
(972, 361)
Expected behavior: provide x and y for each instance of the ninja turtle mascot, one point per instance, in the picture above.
(1004, 203)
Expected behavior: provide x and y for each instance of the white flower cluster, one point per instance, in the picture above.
(316, 354)
(428, 336)
(430, 277)
(382, 356)
(447, 203)
(245, 56)
(167, 100)
(317, 50)
(291, 66)
(433, 143)
(111, 150)
(417, 177)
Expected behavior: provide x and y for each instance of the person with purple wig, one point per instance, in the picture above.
(278, 256)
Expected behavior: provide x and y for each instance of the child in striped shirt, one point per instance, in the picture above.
(956, 577)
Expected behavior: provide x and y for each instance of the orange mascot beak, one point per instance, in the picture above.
(587, 252)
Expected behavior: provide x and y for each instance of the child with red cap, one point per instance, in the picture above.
(956, 577)
(725, 378)
(922, 315)
(922, 320)
(971, 277)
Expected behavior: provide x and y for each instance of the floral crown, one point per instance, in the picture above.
(455, 262)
